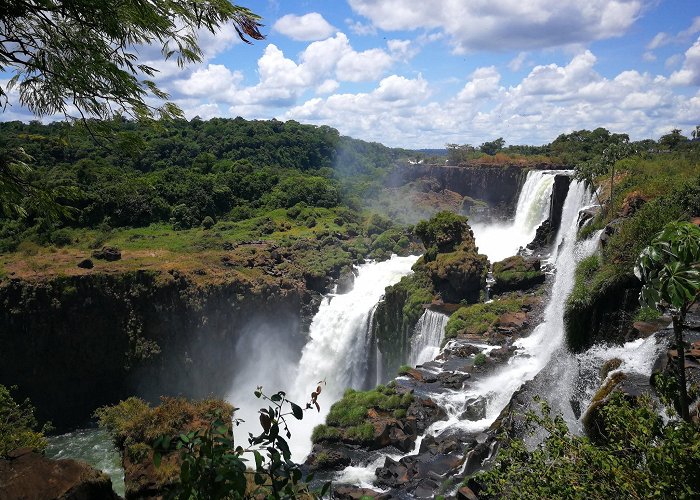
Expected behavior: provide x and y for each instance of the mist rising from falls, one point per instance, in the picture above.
(533, 352)
(499, 241)
(340, 344)
(429, 332)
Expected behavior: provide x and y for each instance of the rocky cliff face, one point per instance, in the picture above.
(75, 343)
(497, 186)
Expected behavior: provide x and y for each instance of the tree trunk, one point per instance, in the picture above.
(680, 348)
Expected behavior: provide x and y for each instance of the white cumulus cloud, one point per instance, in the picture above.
(306, 28)
(507, 24)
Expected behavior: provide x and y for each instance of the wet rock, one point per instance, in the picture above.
(109, 254)
(452, 380)
(461, 350)
(86, 264)
(345, 282)
(556, 204)
(327, 457)
(425, 412)
(30, 475)
(543, 236)
(646, 328)
(609, 366)
(587, 214)
(475, 409)
(631, 385)
(516, 273)
(345, 492)
(466, 493)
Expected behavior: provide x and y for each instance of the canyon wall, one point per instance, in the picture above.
(74, 343)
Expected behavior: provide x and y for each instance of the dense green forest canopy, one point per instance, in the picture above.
(182, 172)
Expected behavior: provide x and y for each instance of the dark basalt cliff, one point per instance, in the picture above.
(72, 344)
(497, 185)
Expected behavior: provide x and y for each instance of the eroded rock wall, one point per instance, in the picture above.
(72, 344)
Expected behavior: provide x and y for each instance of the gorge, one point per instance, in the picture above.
(425, 341)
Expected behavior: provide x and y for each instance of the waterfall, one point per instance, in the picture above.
(427, 336)
(533, 352)
(570, 381)
(340, 344)
(533, 201)
(499, 241)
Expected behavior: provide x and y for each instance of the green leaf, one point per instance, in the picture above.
(297, 411)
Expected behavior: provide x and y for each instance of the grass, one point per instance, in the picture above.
(348, 418)
(479, 318)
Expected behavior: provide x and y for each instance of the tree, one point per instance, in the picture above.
(83, 54)
(670, 270)
(618, 149)
(672, 140)
(492, 147)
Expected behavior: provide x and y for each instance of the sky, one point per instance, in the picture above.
(424, 73)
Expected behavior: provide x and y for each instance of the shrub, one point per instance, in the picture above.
(18, 425)
(641, 457)
(479, 359)
(208, 222)
(362, 433)
(324, 433)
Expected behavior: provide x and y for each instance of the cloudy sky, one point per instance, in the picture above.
(422, 73)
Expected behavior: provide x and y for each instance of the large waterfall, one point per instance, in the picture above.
(340, 344)
(533, 352)
(499, 241)
(427, 337)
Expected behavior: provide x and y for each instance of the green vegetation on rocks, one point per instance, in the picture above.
(479, 318)
(516, 273)
(349, 418)
(641, 457)
(18, 425)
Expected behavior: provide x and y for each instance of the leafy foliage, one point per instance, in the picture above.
(642, 457)
(84, 55)
(213, 465)
(670, 270)
(445, 230)
(18, 426)
(670, 267)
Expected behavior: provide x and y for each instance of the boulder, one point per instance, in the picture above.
(346, 492)
(516, 273)
(631, 385)
(459, 275)
(26, 474)
(109, 254)
(327, 457)
(86, 264)
(543, 236)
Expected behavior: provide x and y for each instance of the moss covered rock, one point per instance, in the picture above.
(134, 426)
(516, 273)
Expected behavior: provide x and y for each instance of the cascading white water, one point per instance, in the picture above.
(339, 346)
(571, 380)
(499, 241)
(533, 352)
(427, 337)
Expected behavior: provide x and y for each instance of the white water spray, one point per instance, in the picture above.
(499, 241)
(533, 352)
(429, 332)
(339, 347)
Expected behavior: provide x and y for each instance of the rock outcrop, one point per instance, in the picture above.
(475, 181)
(98, 338)
(29, 475)
(516, 273)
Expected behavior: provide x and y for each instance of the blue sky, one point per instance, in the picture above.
(421, 73)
